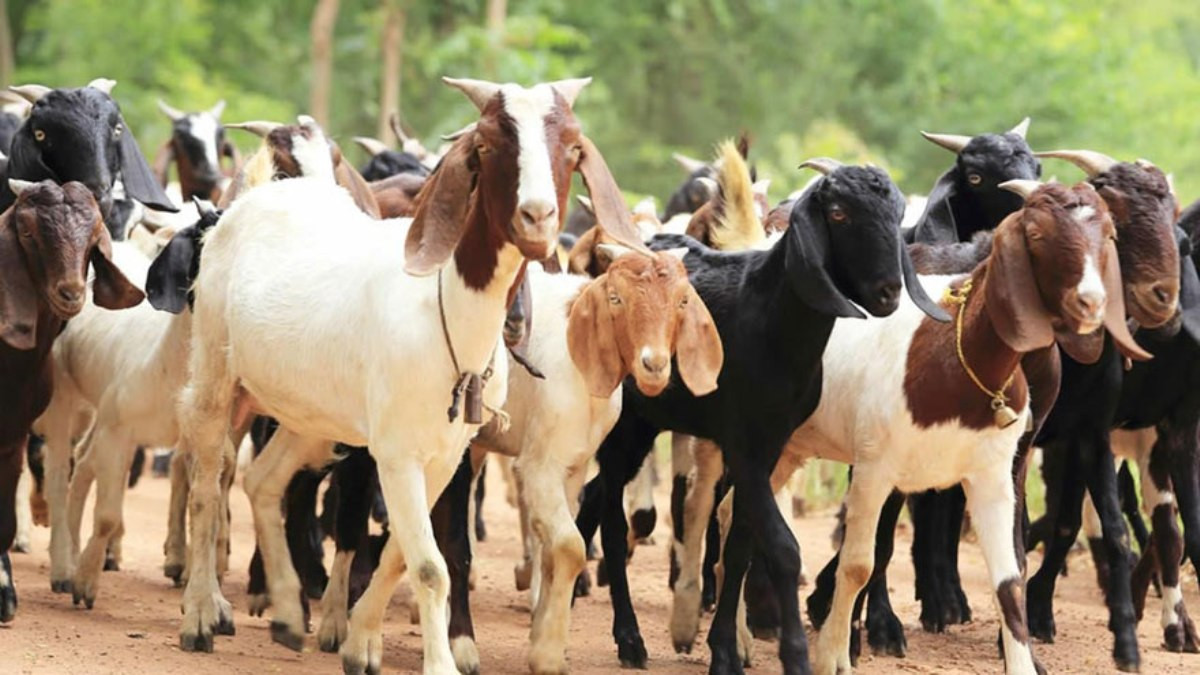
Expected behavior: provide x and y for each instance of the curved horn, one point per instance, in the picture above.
(1093, 163)
(1021, 186)
(203, 206)
(307, 121)
(952, 142)
(217, 109)
(586, 203)
(570, 88)
(18, 186)
(257, 127)
(825, 165)
(394, 122)
(373, 146)
(479, 91)
(30, 92)
(173, 113)
(1145, 163)
(1022, 128)
(688, 164)
(461, 132)
(103, 84)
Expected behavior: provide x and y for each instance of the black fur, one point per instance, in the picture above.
(392, 163)
(171, 275)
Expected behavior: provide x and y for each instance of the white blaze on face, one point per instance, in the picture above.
(528, 109)
(1091, 284)
(313, 155)
(1083, 213)
(203, 127)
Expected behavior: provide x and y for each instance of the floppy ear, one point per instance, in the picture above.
(110, 290)
(608, 204)
(1012, 299)
(1114, 311)
(443, 205)
(936, 224)
(698, 350)
(349, 178)
(916, 291)
(579, 260)
(592, 341)
(139, 181)
(808, 260)
(169, 280)
(18, 297)
(1189, 296)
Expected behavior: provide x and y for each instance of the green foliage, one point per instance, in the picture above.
(854, 79)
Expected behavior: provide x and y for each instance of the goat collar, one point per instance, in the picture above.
(1004, 416)
(470, 383)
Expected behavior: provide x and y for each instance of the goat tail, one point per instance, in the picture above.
(738, 226)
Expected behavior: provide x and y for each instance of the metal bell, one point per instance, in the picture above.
(1003, 415)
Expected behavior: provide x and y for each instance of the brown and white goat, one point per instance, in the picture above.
(196, 147)
(1053, 266)
(47, 240)
(359, 369)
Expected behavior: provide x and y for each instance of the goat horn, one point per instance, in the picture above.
(825, 165)
(570, 88)
(709, 184)
(614, 251)
(173, 113)
(952, 142)
(18, 186)
(1145, 163)
(1093, 163)
(373, 146)
(689, 164)
(257, 127)
(646, 207)
(103, 84)
(307, 121)
(1022, 128)
(217, 109)
(479, 91)
(460, 133)
(31, 92)
(586, 203)
(203, 206)
(1021, 186)
(394, 122)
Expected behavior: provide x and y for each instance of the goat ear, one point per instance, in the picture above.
(698, 350)
(916, 291)
(592, 341)
(18, 297)
(110, 290)
(808, 253)
(139, 181)
(1189, 296)
(612, 214)
(443, 205)
(1114, 311)
(579, 260)
(350, 179)
(169, 279)
(1012, 299)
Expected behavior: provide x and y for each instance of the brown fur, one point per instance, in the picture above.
(1022, 293)
(777, 218)
(643, 301)
(396, 195)
(1011, 595)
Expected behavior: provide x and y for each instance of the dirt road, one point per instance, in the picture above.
(133, 626)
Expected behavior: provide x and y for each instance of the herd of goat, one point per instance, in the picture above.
(390, 327)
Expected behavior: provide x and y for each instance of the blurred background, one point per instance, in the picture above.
(853, 79)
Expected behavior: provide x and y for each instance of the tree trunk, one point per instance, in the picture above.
(7, 60)
(321, 32)
(392, 46)
(497, 10)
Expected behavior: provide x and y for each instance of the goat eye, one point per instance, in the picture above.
(974, 178)
(837, 214)
(39, 135)
(117, 131)
(614, 299)
(482, 149)
(683, 303)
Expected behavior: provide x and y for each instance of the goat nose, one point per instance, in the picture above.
(537, 211)
(1164, 293)
(1091, 302)
(654, 363)
(69, 293)
(888, 292)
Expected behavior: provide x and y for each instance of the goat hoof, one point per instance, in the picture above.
(8, 592)
(768, 633)
(466, 654)
(683, 647)
(643, 521)
(523, 574)
(328, 644)
(282, 633)
(111, 564)
(602, 573)
(726, 661)
(62, 586)
(855, 644)
(1181, 636)
(88, 601)
(583, 585)
(20, 547)
(632, 651)
(201, 642)
(225, 626)
(354, 668)
(885, 635)
(174, 572)
(259, 602)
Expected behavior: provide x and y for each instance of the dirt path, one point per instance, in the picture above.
(133, 627)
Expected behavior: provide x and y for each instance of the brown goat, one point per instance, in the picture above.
(47, 239)
(396, 195)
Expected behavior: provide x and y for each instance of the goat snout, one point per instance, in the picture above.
(535, 212)
(654, 363)
(68, 296)
(887, 294)
(1090, 304)
(1158, 302)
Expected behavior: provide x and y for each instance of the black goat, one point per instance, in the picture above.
(79, 135)
(385, 162)
(774, 311)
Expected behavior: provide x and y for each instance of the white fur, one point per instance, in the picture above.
(302, 302)
(203, 127)
(528, 109)
(1091, 285)
(312, 154)
(1172, 596)
(1083, 214)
